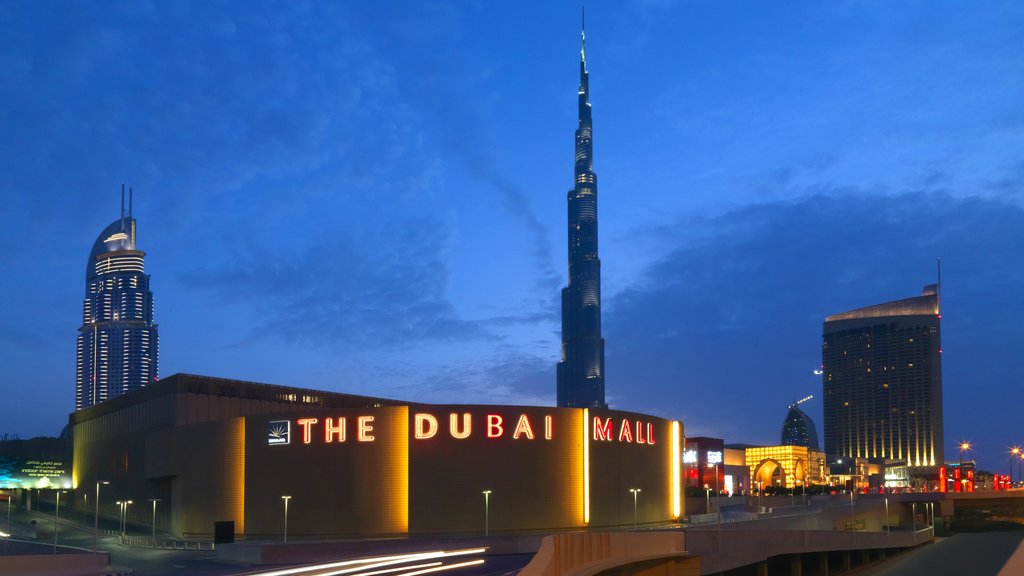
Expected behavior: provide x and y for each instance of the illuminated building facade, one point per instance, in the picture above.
(118, 345)
(785, 466)
(355, 466)
(580, 372)
(703, 458)
(882, 382)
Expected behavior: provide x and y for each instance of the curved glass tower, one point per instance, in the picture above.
(799, 430)
(581, 369)
(118, 345)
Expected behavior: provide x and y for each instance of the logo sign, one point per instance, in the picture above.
(690, 457)
(714, 457)
(279, 432)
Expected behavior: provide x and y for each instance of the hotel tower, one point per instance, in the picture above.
(882, 381)
(581, 369)
(118, 343)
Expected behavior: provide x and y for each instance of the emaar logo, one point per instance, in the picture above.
(279, 432)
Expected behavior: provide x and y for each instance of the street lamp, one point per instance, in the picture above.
(96, 519)
(964, 446)
(636, 492)
(487, 511)
(9, 498)
(56, 516)
(286, 499)
(124, 516)
(154, 501)
(1015, 451)
(718, 488)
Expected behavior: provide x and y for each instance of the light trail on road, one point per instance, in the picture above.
(368, 566)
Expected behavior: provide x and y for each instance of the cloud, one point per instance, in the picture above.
(383, 290)
(724, 330)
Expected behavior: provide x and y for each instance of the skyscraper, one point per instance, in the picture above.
(799, 430)
(882, 381)
(118, 344)
(580, 373)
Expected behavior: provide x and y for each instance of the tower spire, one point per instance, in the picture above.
(583, 35)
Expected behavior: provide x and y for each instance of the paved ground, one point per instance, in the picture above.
(977, 554)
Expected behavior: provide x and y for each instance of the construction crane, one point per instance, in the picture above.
(800, 401)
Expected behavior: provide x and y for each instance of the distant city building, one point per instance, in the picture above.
(118, 344)
(703, 457)
(799, 429)
(882, 382)
(580, 373)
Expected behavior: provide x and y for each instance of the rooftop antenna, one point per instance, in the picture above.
(938, 286)
(129, 203)
(122, 207)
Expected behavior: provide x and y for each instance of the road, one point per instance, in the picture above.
(977, 554)
(75, 534)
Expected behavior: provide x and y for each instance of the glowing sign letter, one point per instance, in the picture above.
(494, 429)
(603, 431)
(650, 434)
(426, 426)
(625, 431)
(640, 433)
(365, 428)
(523, 427)
(306, 424)
(548, 428)
(331, 431)
(453, 425)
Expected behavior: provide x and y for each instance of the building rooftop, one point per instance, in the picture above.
(925, 304)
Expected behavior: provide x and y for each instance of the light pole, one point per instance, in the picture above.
(56, 516)
(888, 531)
(286, 499)
(9, 498)
(707, 492)
(96, 519)
(718, 490)
(636, 492)
(124, 516)
(487, 512)
(1014, 452)
(963, 477)
(154, 501)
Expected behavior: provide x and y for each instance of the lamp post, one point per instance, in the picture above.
(124, 516)
(963, 477)
(154, 501)
(888, 531)
(9, 498)
(1014, 452)
(636, 492)
(718, 488)
(96, 519)
(56, 517)
(487, 512)
(286, 499)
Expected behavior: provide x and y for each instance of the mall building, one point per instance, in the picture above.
(209, 450)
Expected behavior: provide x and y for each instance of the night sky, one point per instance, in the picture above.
(370, 197)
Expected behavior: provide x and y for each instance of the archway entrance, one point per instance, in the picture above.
(769, 473)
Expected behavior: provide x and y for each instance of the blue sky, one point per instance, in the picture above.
(369, 197)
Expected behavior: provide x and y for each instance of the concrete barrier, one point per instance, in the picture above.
(586, 554)
(56, 565)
